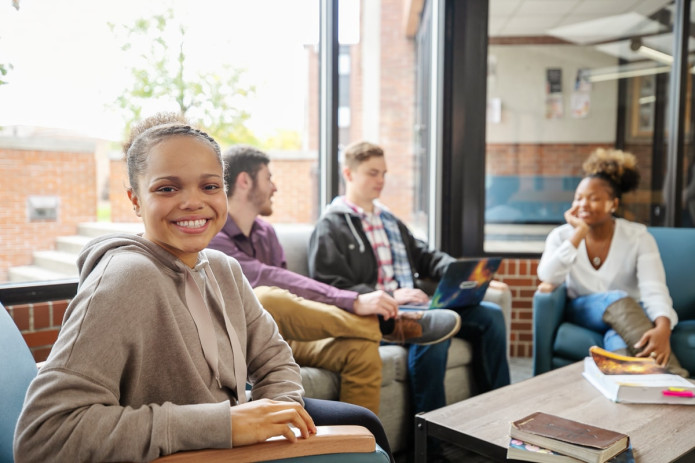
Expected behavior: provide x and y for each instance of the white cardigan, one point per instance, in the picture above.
(633, 264)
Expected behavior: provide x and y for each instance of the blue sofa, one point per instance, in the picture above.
(556, 342)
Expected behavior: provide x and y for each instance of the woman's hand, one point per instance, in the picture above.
(410, 296)
(572, 217)
(259, 420)
(545, 287)
(581, 229)
(656, 342)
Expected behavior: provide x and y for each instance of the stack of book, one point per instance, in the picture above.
(635, 380)
(543, 437)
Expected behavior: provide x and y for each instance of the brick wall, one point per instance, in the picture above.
(68, 175)
(520, 275)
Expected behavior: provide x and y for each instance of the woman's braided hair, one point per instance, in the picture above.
(151, 131)
(616, 167)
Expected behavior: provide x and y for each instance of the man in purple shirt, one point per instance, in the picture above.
(327, 327)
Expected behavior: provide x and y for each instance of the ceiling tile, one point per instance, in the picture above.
(602, 8)
(546, 7)
(606, 28)
(528, 25)
(649, 7)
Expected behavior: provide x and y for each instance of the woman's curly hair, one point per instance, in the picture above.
(617, 167)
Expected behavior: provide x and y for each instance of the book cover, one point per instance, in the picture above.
(579, 440)
(640, 388)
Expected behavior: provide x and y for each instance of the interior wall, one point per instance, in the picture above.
(517, 75)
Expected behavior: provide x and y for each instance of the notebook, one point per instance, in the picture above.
(463, 285)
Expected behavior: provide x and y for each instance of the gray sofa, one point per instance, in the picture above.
(395, 409)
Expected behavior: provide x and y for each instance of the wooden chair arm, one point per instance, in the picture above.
(328, 439)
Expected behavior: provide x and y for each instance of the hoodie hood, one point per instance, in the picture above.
(339, 206)
(96, 249)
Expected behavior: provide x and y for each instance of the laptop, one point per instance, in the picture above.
(463, 285)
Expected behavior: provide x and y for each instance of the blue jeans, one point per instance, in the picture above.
(587, 311)
(482, 326)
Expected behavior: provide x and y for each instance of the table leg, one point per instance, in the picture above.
(420, 439)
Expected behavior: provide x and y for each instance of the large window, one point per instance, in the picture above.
(563, 79)
(73, 75)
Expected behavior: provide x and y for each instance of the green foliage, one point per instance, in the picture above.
(160, 76)
(4, 69)
(286, 140)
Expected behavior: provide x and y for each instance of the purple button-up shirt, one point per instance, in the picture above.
(263, 261)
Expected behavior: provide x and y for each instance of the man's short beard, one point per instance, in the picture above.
(259, 203)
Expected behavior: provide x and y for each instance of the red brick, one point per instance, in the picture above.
(527, 292)
(21, 316)
(522, 326)
(40, 353)
(42, 316)
(40, 338)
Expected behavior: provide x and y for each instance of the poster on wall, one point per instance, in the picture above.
(553, 93)
(581, 95)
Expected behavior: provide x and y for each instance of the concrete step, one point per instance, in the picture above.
(93, 229)
(62, 263)
(34, 273)
(71, 244)
(57, 261)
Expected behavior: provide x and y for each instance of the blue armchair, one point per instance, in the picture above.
(557, 342)
(337, 444)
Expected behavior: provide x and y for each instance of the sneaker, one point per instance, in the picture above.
(424, 326)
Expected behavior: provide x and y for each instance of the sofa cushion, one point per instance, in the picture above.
(294, 239)
(319, 383)
(460, 353)
(395, 363)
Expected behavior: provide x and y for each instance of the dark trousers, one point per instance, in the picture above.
(331, 413)
(482, 326)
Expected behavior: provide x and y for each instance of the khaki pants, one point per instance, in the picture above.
(328, 337)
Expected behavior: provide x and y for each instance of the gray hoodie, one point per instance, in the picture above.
(128, 380)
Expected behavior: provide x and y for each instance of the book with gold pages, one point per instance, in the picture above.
(581, 441)
(635, 379)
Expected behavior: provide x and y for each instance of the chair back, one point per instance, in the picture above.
(677, 249)
(18, 369)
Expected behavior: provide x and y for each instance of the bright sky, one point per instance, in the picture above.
(67, 65)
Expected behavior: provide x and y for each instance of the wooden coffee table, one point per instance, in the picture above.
(659, 433)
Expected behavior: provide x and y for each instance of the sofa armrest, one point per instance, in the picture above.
(548, 313)
(501, 295)
(328, 440)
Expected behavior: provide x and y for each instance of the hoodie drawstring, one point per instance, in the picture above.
(354, 231)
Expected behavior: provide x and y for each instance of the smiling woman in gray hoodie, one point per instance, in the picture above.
(163, 335)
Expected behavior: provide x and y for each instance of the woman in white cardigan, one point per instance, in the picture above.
(612, 268)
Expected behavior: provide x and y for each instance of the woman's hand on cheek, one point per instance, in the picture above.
(572, 218)
(259, 420)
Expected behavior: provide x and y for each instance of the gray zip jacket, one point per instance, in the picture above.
(341, 255)
(127, 379)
